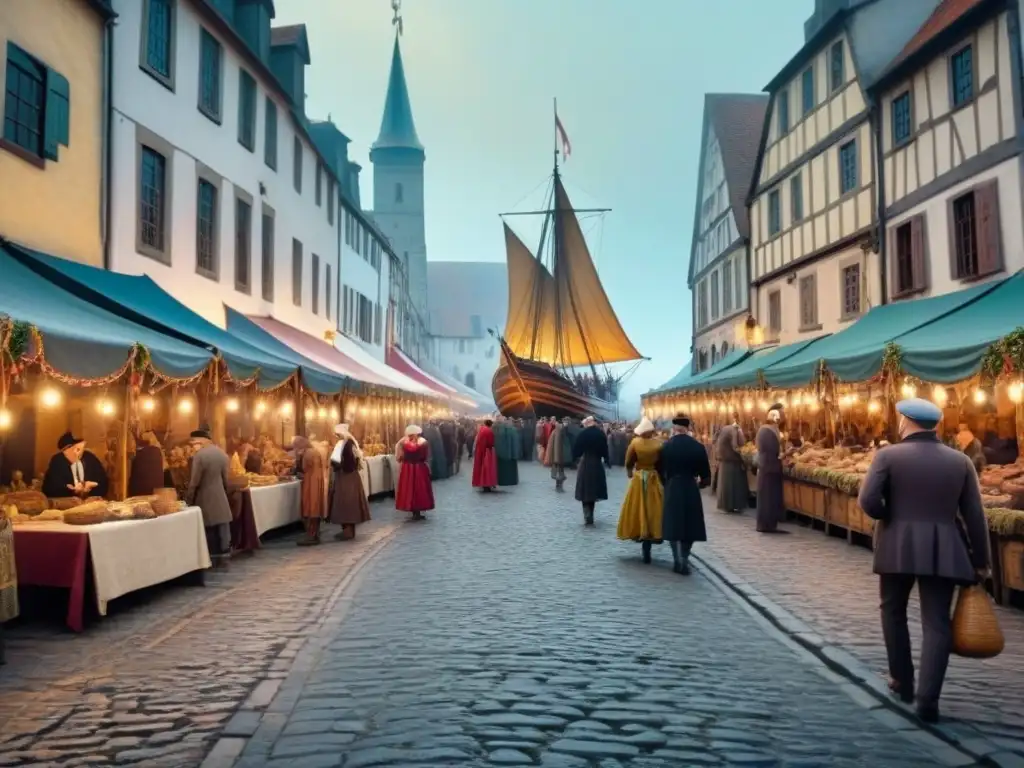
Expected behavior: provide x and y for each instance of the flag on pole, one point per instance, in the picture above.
(563, 137)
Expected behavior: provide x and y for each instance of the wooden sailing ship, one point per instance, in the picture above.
(561, 331)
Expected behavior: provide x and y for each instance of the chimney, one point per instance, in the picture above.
(352, 182)
(824, 11)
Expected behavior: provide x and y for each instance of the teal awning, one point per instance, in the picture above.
(83, 340)
(685, 380)
(855, 354)
(950, 349)
(685, 374)
(139, 299)
(745, 373)
(316, 377)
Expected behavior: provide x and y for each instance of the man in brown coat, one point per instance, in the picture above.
(208, 490)
(920, 491)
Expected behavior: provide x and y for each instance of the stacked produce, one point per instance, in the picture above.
(374, 446)
(277, 462)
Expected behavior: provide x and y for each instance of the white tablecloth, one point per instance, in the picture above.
(379, 474)
(133, 554)
(275, 506)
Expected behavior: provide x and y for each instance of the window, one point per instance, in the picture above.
(851, 291)
(297, 160)
(808, 89)
(330, 202)
(462, 346)
(246, 110)
(962, 76)
(714, 354)
(727, 287)
(901, 118)
(296, 273)
(848, 167)
(378, 324)
(774, 213)
(158, 40)
(476, 326)
(908, 250)
(837, 66)
(808, 302)
(774, 314)
(270, 140)
(210, 56)
(243, 241)
(24, 105)
(974, 225)
(267, 257)
(318, 193)
(796, 198)
(702, 305)
(315, 277)
(783, 108)
(399, 194)
(206, 229)
(725, 348)
(471, 380)
(153, 200)
(715, 296)
(327, 291)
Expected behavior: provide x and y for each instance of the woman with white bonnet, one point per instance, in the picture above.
(347, 502)
(415, 492)
(771, 509)
(642, 509)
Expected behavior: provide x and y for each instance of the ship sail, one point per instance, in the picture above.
(563, 319)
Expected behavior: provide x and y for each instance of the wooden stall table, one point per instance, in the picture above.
(276, 506)
(125, 556)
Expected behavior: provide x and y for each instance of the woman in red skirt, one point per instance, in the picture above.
(415, 491)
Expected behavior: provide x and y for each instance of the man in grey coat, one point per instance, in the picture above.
(931, 531)
(208, 490)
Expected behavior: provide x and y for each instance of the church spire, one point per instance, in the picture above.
(397, 129)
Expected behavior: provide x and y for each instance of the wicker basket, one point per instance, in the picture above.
(164, 494)
(163, 507)
(976, 632)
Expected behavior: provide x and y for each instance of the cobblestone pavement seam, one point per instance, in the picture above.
(259, 721)
(834, 658)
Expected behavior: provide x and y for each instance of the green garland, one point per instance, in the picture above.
(892, 360)
(21, 335)
(1005, 356)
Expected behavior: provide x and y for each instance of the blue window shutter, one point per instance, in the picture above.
(57, 115)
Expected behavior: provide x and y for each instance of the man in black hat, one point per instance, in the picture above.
(74, 471)
(919, 490)
(208, 490)
(683, 460)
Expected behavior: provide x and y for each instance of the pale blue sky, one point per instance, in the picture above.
(630, 77)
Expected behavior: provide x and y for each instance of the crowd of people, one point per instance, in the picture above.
(925, 495)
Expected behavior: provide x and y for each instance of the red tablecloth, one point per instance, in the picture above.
(244, 536)
(55, 559)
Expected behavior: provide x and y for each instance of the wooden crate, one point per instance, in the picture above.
(1011, 560)
(837, 509)
(858, 521)
(790, 496)
(812, 500)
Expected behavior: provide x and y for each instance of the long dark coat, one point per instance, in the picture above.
(59, 476)
(590, 449)
(507, 449)
(346, 497)
(439, 467)
(771, 505)
(682, 462)
(208, 486)
(917, 490)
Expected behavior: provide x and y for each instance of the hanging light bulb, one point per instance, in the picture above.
(874, 406)
(908, 390)
(939, 395)
(309, 414)
(148, 404)
(748, 405)
(286, 409)
(231, 406)
(763, 405)
(321, 413)
(798, 400)
(979, 396)
(334, 414)
(814, 406)
(5, 419)
(1016, 392)
(105, 407)
(261, 408)
(185, 406)
(50, 397)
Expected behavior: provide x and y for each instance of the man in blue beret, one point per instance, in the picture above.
(915, 490)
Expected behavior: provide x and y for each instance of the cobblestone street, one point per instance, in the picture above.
(501, 632)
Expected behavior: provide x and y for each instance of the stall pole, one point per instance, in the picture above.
(121, 490)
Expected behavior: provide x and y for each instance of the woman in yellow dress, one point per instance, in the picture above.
(640, 518)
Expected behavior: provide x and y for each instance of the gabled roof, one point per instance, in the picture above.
(291, 35)
(397, 129)
(736, 119)
(934, 35)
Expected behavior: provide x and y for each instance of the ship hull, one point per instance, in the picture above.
(540, 392)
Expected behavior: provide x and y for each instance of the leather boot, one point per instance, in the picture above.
(677, 557)
(646, 550)
(588, 514)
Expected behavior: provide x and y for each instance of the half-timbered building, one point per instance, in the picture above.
(719, 271)
(950, 114)
(815, 265)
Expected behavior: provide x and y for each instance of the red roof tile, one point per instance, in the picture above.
(944, 15)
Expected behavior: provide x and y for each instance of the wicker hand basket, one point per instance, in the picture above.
(976, 632)
(163, 507)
